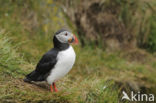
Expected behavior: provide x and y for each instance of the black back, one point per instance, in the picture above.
(48, 61)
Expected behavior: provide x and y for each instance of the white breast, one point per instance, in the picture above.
(65, 61)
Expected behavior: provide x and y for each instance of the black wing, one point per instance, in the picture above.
(44, 66)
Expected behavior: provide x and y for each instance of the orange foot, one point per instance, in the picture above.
(55, 89)
(51, 88)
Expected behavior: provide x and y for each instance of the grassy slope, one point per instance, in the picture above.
(86, 81)
(72, 88)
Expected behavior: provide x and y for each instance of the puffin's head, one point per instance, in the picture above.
(65, 36)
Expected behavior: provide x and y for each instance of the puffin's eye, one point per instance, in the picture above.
(66, 34)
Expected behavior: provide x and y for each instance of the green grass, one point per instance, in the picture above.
(9, 59)
(84, 84)
(95, 69)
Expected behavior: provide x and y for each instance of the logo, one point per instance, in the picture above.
(137, 96)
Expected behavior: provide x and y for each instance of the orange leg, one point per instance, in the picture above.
(55, 87)
(51, 88)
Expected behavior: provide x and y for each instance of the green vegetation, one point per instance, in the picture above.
(98, 76)
(140, 18)
(9, 60)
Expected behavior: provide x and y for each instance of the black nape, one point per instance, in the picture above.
(59, 45)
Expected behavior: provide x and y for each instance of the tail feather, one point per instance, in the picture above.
(28, 77)
(27, 80)
(34, 76)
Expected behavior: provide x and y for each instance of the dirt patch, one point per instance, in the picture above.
(98, 21)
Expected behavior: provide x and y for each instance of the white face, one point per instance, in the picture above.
(65, 37)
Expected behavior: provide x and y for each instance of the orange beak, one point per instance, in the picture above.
(75, 40)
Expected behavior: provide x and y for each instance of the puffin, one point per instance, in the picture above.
(57, 62)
